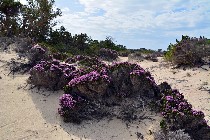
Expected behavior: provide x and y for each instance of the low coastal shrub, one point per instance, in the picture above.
(37, 53)
(188, 52)
(130, 78)
(53, 75)
(139, 56)
(136, 56)
(124, 53)
(93, 90)
(108, 87)
(91, 85)
(151, 57)
(108, 54)
(179, 114)
(44, 52)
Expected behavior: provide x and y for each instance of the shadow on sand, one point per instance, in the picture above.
(48, 102)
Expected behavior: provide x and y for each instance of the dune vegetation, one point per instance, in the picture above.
(94, 84)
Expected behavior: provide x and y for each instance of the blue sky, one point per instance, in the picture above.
(150, 24)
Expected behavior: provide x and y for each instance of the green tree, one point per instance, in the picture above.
(109, 43)
(9, 10)
(60, 39)
(81, 41)
(59, 36)
(38, 18)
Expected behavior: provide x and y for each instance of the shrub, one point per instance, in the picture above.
(109, 86)
(136, 56)
(108, 54)
(178, 114)
(66, 101)
(52, 75)
(124, 53)
(69, 107)
(151, 57)
(91, 85)
(37, 54)
(84, 60)
(188, 51)
(169, 53)
(127, 78)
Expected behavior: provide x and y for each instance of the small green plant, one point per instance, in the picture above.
(169, 54)
(163, 125)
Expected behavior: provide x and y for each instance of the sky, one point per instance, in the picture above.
(151, 24)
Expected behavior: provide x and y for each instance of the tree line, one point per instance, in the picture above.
(36, 20)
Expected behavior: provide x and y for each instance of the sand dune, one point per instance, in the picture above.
(29, 113)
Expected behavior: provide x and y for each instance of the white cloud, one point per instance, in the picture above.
(130, 17)
(23, 1)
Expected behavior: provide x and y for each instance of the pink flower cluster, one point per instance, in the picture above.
(90, 77)
(53, 74)
(66, 102)
(177, 111)
(108, 54)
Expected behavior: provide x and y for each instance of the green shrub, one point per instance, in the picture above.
(187, 52)
(169, 53)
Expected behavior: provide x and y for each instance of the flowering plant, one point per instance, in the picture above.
(37, 53)
(111, 81)
(54, 75)
(67, 103)
(90, 77)
(108, 54)
(179, 114)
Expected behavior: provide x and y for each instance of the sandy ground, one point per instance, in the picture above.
(29, 114)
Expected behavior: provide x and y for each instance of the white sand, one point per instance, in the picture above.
(28, 114)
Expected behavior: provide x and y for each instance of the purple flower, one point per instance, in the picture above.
(38, 67)
(169, 98)
(90, 77)
(198, 113)
(67, 101)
